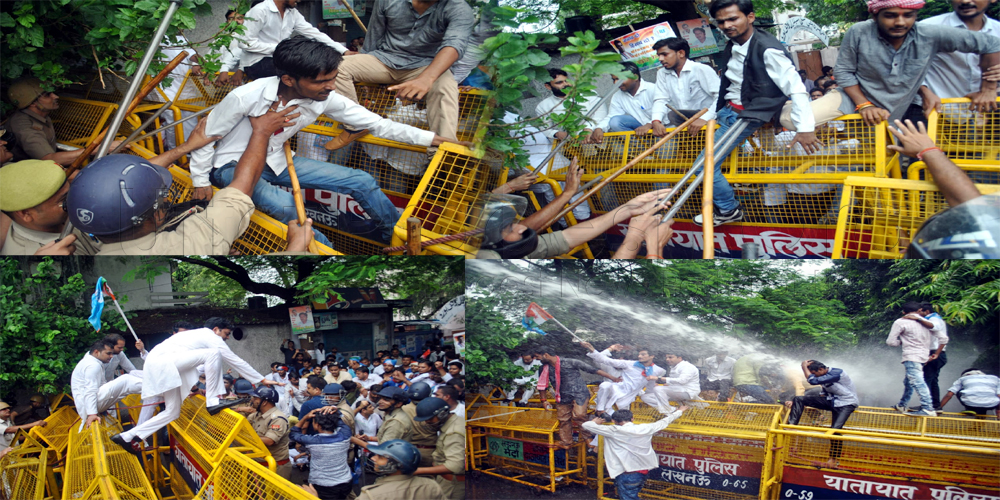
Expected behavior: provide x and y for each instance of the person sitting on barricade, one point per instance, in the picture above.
(527, 383)
(140, 221)
(688, 86)
(630, 108)
(411, 45)
(307, 70)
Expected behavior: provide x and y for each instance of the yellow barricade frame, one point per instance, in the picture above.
(98, 468)
(55, 435)
(237, 476)
(25, 472)
(210, 436)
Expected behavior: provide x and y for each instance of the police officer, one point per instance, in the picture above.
(243, 389)
(272, 426)
(394, 463)
(122, 200)
(397, 424)
(32, 197)
(33, 411)
(424, 436)
(449, 455)
(32, 126)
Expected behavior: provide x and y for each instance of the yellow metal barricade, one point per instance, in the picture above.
(879, 217)
(238, 477)
(99, 469)
(520, 445)
(449, 200)
(713, 451)
(78, 121)
(55, 435)
(885, 454)
(967, 137)
(24, 471)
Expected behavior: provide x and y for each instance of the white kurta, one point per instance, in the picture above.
(633, 380)
(91, 395)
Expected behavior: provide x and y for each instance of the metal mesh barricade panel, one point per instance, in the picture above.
(23, 470)
(212, 435)
(879, 217)
(55, 435)
(966, 136)
(97, 468)
(876, 420)
(78, 121)
(980, 173)
(380, 100)
(236, 476)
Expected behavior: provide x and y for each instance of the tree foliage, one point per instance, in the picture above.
(63, 41)
(45, 327)
(495, 337)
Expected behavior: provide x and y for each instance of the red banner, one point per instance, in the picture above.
(812, 484)
(777, 242)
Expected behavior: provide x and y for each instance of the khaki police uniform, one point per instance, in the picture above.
(397, 425)
(549, 245)
(23, 241)
(36, 137)
(210, 232)
(346, 414)
(424, 436)
(402, 487)
(273, 424)
(450, 452)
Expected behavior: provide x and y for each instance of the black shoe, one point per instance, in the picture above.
(129, 447)
(212, 410)
(720, 218)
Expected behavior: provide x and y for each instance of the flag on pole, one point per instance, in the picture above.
(97, 304)
(535, 317)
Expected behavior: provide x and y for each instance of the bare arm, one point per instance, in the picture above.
(197, 141)
(251, 164)
(953, 181)
(418, 87)
(537, 219)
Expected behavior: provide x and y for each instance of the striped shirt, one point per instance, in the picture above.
(328, 455)
(979, 391)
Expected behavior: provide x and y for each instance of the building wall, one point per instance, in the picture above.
(260, 345)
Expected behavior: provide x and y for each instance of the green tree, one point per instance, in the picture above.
(493, 341)
(45, 328)
(64, 41)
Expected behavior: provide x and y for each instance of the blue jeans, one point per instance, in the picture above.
(722, 192)
(757, 392)
(914, 381)
(629, 484)
(280, 204)
(623, 123)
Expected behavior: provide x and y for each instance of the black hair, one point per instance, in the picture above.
(114, 337)
(423, 361)
(187, 325)
(911, 306)
(643, 348)
(969, 370)
(408, 356)
(449, 390)
(821, 80)
(459, 364)
(828, 84)
(821, 90)
(815, 365)
(827, 69)
(294, 375)
(220, 323)
(555, 72)
(363, 368)
(316, 382)
(927, 306)
(349, 385)
(301, 57)
(375, 389)
(702, 30)
(675, 44)
(327, 421)
(621, 416)
(746, 6)
(675, 352)
(399, 369)
(632, 67)
(276, 363)
(101, 344)
(542, 349)
(230, 11)
(710, 385)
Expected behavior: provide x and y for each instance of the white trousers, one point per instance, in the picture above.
(529, 390)
(662, 395)
(111, 392)
(610, 394)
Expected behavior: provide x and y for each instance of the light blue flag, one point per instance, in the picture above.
(97, 304)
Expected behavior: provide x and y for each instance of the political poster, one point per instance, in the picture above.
(302, 319)
(637, 46)
(336, 9)
(698, 34)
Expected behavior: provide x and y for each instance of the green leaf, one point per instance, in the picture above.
(6, 21)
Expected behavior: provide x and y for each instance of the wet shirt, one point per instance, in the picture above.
(572, 387)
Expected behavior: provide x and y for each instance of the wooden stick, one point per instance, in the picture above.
(622, 170)
(300, 206)
(347, 3)
(412, 236)
(708, 230)
(146, 89)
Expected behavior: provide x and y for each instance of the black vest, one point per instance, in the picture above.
(762, 98)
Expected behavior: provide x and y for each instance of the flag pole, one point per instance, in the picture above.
(112, 294)
(578, 339)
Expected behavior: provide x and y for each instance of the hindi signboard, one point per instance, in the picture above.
(637, 46)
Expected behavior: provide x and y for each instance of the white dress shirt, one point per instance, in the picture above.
(231, 57)
(231, 120)
(367, 426)
(956, 74)
(941, 329)
(720, 370)
(368, 382)
(638, 106)
(555, 105)
(785, 76)
(265, 28)
(628, 447)
(684, 377)
(532, 367)
(633, 378)
(697, 87)
(88, 376)
(117, 360)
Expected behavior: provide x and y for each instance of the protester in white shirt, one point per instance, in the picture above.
(90, 392)
(628, 450)
(683, 384)
(307, 69)
(530, 365)
(231, 55)
(633, 377)
(687, 86)
(268, 23)
(365, 380)
(957, 74)
(720, 369)
(366, 421)
(630, 108)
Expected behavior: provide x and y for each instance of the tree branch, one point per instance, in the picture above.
(237, 273)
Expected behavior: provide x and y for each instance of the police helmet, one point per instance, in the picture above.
(403, 453)
(431, 407)
(228, 378)
(499, 214)
(394, 393)
(419, 391)
(242, 386)
(116, 193)
(967, 231)
(333, 389)
(266, 393)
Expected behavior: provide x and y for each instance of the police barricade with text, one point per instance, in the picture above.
(879, 217)
(236, 476)
(713, 451)
(199, 441)
(25, 472)
(789, 198)
(520, 445)
(883, 454)
(98, 468)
